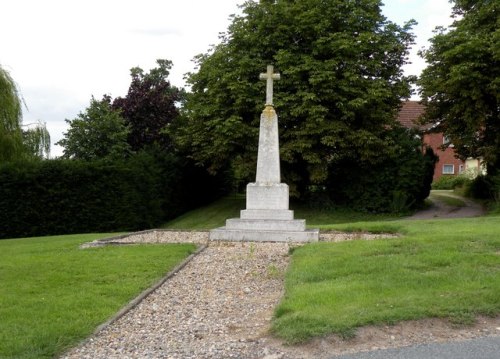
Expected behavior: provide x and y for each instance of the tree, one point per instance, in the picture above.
(341, 84)
(11, 143)
(97, 133)
(16, 143)
(36, 140)
(461, 85)
(150, 106)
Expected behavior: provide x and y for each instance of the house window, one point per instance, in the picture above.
(447, 142)
(448, 169)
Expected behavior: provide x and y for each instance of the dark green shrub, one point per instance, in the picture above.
(485, 187)
(397, 183)
(67, 196)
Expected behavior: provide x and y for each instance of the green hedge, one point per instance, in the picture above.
(399, 182)
(66, 196)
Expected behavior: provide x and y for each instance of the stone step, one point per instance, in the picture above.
(282, 214)
(225, 234)
(266, 224)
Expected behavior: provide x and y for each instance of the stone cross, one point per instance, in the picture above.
(267, 216)
(269, 76)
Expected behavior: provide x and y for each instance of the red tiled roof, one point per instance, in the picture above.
(409, 114)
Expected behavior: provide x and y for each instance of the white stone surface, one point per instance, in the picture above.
(268, 156)
(284, 214)
(267, 196)
(224, 234)
(269, 76)
(267, 224)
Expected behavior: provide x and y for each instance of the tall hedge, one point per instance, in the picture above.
(398, 182)
(66, 196)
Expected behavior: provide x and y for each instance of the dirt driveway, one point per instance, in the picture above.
(441, 208)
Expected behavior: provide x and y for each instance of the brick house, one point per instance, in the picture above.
(447, 164)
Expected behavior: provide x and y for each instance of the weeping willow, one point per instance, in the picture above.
(16, 143)
(11, 137)
(37, 141)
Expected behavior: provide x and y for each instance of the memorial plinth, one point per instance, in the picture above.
(267, 216)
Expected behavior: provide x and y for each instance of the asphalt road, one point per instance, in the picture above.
(481, 348)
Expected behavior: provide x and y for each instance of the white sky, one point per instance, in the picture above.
(61, 52)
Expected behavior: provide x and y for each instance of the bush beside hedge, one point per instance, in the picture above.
(450, 182)
(485, 187)
(65, 196)
(398, 183)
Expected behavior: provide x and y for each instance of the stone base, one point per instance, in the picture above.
(225, 234)
(266, 224)
(280, 214)
(267, 196)
(266, 218)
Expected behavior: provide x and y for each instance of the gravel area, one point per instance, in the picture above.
(201, 237)
(220, 305)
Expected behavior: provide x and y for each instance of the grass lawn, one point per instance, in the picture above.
(53, 294)
(439, 268)
(211, 216)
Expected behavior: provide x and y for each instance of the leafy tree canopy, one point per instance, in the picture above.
(150, 106)
(341, 84)
(461, 85)
(113, 129)
(97, 133)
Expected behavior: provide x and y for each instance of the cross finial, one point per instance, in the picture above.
(269, 76)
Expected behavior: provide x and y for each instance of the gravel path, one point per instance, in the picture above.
(221, 303)
(218, 306)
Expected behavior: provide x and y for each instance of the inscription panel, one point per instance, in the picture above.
(267, 196)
